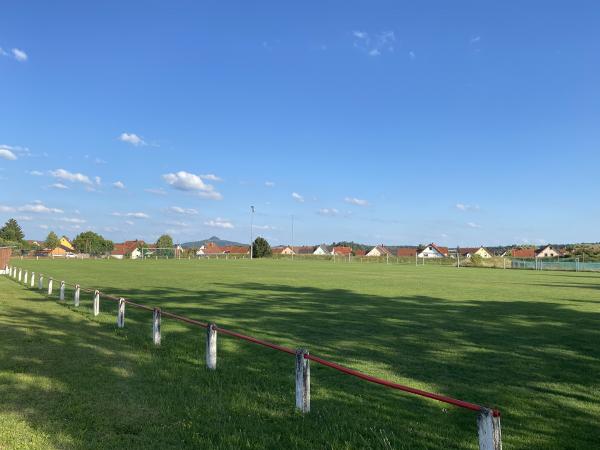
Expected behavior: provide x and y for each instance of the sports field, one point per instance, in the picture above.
(525, 342)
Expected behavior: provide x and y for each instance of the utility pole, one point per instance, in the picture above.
(251, 237)
(292, 237)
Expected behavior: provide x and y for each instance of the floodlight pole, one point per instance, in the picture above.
(251, 237)
(292, 237)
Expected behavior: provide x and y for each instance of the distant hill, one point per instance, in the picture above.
(215, 239)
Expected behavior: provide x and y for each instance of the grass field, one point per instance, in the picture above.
(523, 341)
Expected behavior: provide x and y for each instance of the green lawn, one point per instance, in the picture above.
(523, 341)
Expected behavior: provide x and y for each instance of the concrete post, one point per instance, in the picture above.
(41, 281)
(20, 274)
(32, 279)
(156, 326)
(76, 295)
(61, 292)
(50, 280)
(121, 313)
(211, 346)
(302, 381)
(490, 435)
(96, 302)
(25, 277)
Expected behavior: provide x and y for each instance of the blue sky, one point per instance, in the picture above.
(462, 123)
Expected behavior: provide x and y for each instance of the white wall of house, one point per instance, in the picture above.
(117, 256)
(483, 253)
(375, 252)
(430, 252)
(135, 254)
(287, 251)
(320, 251)
(548, 252)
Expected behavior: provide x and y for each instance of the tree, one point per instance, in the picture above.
(260, 248)
(164, 245)
(92, 243)
(52, 240)
(11, 231)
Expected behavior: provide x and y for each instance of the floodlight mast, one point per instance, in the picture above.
(251, 237)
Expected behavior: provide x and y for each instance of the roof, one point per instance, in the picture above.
(523, 252)
(359, 252)
(341, 250)
(304, 249)
(382, 249)
(126, 247)
(407, 251)
(442, 250)
(277, 250)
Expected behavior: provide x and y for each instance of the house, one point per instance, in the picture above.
(235, 250)
(359, 252)
(342, 251)
(277, 250)
(379, 250)
(433, 251)
(547, 251)
(323, 250)
(129, 249)
(5, 253)
(304, 250)
(528, 252)
(405, 252)
(468, 252)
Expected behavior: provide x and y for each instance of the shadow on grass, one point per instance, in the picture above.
(110, 388)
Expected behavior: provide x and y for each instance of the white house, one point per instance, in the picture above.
(379, 250)
(480, 251)
(546, 252)
(322, 250)
(433, 251)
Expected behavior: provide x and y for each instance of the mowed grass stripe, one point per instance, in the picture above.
(518, 340)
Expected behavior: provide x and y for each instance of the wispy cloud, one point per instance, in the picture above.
(135, 215)
(269, 183)
(475, 39)
(219, 223)
(465, 207)
(59, 186)
(35, 173)
(473, 225)
(374, 44)
(210, 177)
(71, 220)
(265, 227)
(412, 55)
(185, 181)
(65, 175)
(156, 191)
(118, 185)
(133, 139)
(19, 55)
(356, 201)
(328, 212)
(6, 153)
(180, 210)
(39, 207)
(299, 198)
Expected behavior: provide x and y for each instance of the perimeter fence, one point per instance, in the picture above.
(488, 419)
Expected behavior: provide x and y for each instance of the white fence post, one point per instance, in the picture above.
(15, 273)
(50, 280)
(121, 313)
(211, 346)
(9, 271)
(302, 381)
(156, 326)
(25, 277)
(76, 295)
(41, 281)
(61, 294)
(20, 274)
(490, 435)
(96, 302)
(32, 279)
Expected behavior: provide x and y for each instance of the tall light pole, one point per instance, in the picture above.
(292, 237)
(251, 237)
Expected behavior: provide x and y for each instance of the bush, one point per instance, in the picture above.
(260, 248)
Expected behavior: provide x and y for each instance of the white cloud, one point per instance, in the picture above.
(43, 227)
(269, 183)
(98, 180)
(5, 153)
(35, 173)
(132, 138)
(6, 209)
(118, 185)
(210, 177)
(135, 215)
(465, 207)
(219, 223)
(473, 225)
(185, 181)
(475, 39)
(412, 55)
(63, 174)
(180, 210)
(328, 212)
(129, 222)
(38, 207)
(158, 191)
(356, 201)
(59, 186)
(19, 55)
(71, 220)
(264, 227)
(374, 45)
(297, 197)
